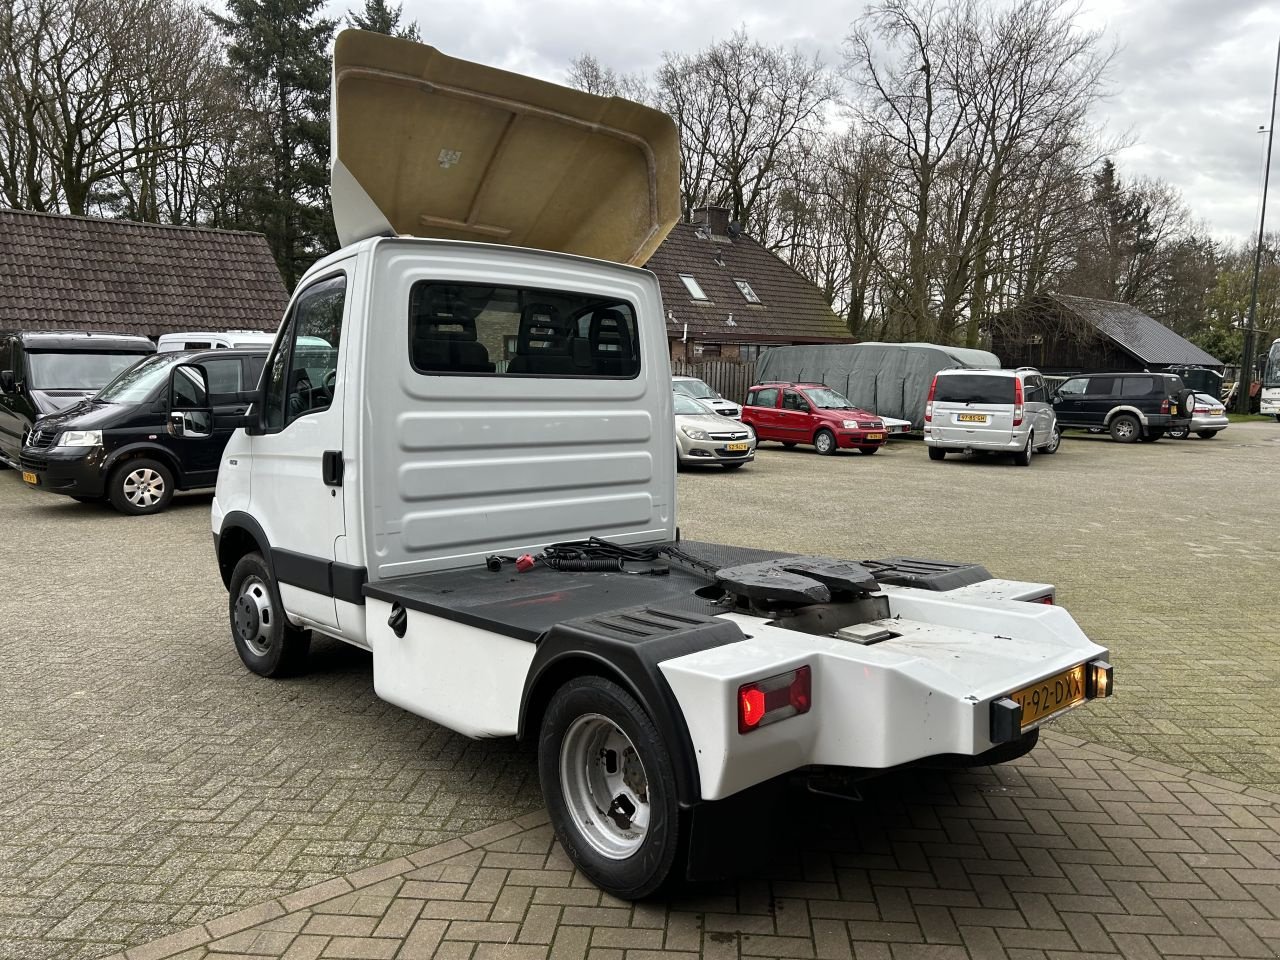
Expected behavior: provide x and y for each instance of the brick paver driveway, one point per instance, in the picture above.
(149, 786)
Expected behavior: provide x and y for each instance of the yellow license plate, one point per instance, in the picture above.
(1051, 695)
(971, 417)
(1216, 411)
(737, 446)
(30, 477)
(875, 436)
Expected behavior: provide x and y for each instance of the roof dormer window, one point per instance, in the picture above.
(694, 288)
(747, 292)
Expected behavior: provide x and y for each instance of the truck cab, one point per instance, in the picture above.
(472, 475)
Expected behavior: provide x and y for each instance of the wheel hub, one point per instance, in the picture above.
(605, 786)
(252, 616)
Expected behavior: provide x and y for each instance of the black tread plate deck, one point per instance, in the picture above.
(526, 605)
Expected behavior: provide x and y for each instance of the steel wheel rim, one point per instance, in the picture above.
(605, 787)
(253, 616)
(143, 487)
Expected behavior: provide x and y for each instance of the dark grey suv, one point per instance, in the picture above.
(1129, 406)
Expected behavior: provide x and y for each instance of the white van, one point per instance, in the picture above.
(223, 339)
(474, 479)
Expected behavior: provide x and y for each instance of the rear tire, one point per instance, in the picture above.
(1125, 429)
(609, 786)
(1023, 459)
(937, 453)
(1206, 434)
(868, 451)
(267, 642)
(1178, 433)
(824, 441)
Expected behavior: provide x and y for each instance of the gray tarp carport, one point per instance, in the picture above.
(891, 379)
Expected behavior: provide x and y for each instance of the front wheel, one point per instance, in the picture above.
(267, 642)
(1055, 441)
(610, 787)
(140, 487)
(825, 442)
(1023, 459)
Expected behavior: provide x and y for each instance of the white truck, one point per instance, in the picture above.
(475, 480)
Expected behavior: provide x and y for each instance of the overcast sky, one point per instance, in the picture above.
(1192, 78)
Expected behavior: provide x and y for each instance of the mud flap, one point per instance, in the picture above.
(725, 839)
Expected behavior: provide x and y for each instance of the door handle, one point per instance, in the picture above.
(331, 468)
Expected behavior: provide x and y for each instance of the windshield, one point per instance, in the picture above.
(687, 406)
(828, 399)
(138, 383)
(694, 388)
(1271, 378)
(78, 370)
(974, 388)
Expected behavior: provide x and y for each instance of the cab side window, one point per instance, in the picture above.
(1101, 387)
(224, 378)
(793, 401)
(303, 372)
(767, 397)
(1073, 388)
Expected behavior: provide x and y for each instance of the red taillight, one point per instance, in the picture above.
(928, 404)
(1017, 402)
(1047, 598)
(777, 698)
(1164, 405)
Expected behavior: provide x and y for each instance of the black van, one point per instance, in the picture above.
(44, 372)
(123, 445)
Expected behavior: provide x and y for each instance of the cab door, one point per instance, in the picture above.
(298, 457)
(764, 413)
(793, 418)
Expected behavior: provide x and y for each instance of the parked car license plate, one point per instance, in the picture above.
(875, 436)
(971, 417)
(30, 477)
(1215, 411)
(1047, 697)
(736, 447)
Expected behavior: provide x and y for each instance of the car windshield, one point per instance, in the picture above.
(79, 370)
(974, 388)
(139, 382)
(827, 399)
(688, 407)
(694, 388)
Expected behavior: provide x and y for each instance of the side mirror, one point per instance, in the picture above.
(190, 412)
(7, 382)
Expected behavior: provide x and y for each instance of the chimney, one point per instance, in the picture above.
(716, 218)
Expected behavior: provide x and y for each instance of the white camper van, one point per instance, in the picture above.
(474, 479)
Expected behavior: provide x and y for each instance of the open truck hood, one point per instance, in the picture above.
(430, 146)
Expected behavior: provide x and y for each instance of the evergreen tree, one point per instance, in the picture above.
(380, 17)
(279, 51)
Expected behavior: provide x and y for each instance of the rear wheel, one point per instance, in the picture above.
(609, 787)
(1125, 429)
(267, 642)
(1023, 459)
(937, 453)
(1206, 434)
(868, 450)
(1178, 433)
(825, 442)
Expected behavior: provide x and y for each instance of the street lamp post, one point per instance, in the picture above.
(1246, 365)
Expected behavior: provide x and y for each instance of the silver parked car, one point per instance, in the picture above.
(700, 391)
(703, 436)
(990, 411)
(1208, 418)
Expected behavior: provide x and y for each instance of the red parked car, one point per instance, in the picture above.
(813, 413)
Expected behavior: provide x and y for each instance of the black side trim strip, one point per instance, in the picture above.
(338, 580)
(378, 591)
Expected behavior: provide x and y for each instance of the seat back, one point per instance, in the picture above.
(547, 344)
(444, 337)
(610, 339)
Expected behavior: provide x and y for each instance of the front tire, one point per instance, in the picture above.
(267, 642)
(140, 487)
(1125, 429)
(824, 441)
(609, 787)
(1055, 441)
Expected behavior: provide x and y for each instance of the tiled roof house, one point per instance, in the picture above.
(84, 273)
(727, 296)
